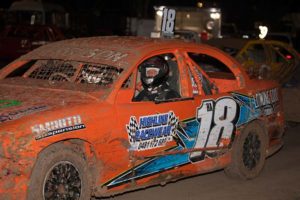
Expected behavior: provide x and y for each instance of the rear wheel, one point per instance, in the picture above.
(248, 153)
(60, 173)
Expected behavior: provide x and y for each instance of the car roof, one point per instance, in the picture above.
(111, 50)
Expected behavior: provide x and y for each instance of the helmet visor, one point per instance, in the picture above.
(152, 72)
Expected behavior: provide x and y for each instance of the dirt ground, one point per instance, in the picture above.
(280, 180)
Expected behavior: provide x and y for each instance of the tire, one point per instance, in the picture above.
(68, 172)
(248, 153)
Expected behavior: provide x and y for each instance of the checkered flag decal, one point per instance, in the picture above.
(132, 127)
(173, 122)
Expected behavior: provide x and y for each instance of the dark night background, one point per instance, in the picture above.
(243, 12)
(234, 10)
(111, 16)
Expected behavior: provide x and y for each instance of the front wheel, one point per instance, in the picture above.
(248, 153)
(60, 173)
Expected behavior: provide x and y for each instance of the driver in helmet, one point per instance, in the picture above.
(154, 76)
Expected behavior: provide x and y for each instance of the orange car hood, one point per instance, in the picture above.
(17, 101)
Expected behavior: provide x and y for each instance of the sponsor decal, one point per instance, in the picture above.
(218, 121)
(266, 100)
(5, 103)
(58, 126)
(152, 131)
(215, 122)
(20, 113)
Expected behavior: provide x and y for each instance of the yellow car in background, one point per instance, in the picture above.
(262, 59)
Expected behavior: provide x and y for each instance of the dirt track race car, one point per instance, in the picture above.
(264, 59)
(104, 115)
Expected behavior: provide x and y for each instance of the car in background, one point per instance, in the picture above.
(187, 35)
(73, 125)
(262, 59)
(280, 36)
(16, 40)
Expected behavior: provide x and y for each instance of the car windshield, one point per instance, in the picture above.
(56, 71)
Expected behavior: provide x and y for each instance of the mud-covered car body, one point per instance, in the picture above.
(52, 104)
(263, 59)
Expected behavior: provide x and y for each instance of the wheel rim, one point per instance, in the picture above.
(251, 151)
(62, 182)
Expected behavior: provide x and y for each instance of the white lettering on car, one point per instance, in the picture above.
(217, 122)
(57, 126)
(266, 98)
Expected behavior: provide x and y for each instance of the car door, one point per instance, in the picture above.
(150, 126)
(217, 112)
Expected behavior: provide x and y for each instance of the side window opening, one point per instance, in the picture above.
(214, 75)
(211, 66)
(158, 79)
